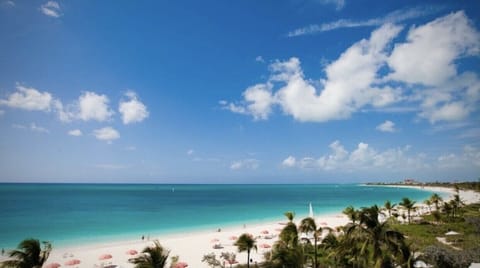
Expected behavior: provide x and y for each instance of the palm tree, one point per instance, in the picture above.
(428, 202)
(246, 243)
(308, 225)
(290, 215)
(436, 199)
(389, 207)
(375, 244)
(351, 213)
(29, 254)
(408, 204)
(152, 257)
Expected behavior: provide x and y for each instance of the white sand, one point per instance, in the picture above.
(192, 246)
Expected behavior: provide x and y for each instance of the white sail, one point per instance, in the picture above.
(310, 213)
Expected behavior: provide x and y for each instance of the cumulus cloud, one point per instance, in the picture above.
(470, 155)
(347, 88)
(363, 157)
(432, 50)
(245, 164)
(420, 72)
(132, 110)
(75, 132)
(289, 161)
(51, 9)
(387, 126)
(93, 106)
(106, 134)
(28, 98)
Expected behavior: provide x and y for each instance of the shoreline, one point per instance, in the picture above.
(192, 245)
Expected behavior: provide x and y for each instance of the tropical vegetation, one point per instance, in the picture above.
(152, 257)
(29, 254)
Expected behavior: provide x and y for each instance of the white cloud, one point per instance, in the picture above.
(245, 164)
(190, 152)
(419, 75)
(362, 158)
(339, 4)
(32, 127)
(75, 132)
(430, 51)
(51, 9)
(94, 107)
(28, 99)
(132, 110)
(107, 134)
(289, 162)
(259, 59)
(8, 4)
(36, 128)
(396, 16)
(387, 126)
(346, 89)
(469, 156)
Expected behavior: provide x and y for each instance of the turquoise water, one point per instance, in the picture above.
(71, 214)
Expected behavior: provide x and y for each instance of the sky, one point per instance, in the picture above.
(294, 91)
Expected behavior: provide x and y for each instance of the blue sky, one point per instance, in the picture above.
(288, 91)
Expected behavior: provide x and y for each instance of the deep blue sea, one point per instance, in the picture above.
(72, 214)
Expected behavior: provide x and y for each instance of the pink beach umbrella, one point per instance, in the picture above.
(180, 265)
(215, 240)
(265, 246)
(265, 232)
(73, 262)
(131, 252)
(105, 257)
(53, 265)
(233, 237)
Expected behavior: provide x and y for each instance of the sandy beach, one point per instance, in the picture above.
(192, 246)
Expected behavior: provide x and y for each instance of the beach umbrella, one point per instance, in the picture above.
(233, 237)
(131, 252)
(180, 265)
(265, 246)
(72, 262)
(53, 265)
(265, 232)
(215, 240)
(105, 257)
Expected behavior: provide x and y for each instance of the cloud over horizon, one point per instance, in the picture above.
(357, 79)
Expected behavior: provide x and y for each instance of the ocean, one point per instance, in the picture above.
(73, 214)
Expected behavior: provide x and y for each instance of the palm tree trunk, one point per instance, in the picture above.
(248, 258)
(315, 254)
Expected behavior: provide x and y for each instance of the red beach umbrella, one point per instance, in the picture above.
(72, 262)
(53, 265)
(105, 257)
(131, 252)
